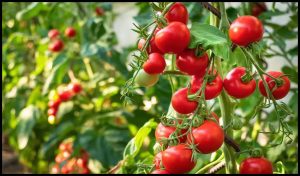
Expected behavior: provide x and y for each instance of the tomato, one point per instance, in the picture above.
(56, 46)
(189, 63)
(160, 172)
(234, 85)
(52, 34)
(81, 162)
(55, 169)
(75, 87)
(66, 146)
(99, 11)
(85, 170)
(246, 30)
(258, 8)
(152, 48)
(52, 111)
(51, 119)
(258, 165)
(157, 160)
(165, 131)
(145, 79)
(178, 159)
(65, 170)
(212, 89)
(65, 95)
(177, 12)
(208, 137)
(155, 64)
(59, 158)
(279, 92)
(174, 38)
(70, 32)
(54, 103)
(181, 104)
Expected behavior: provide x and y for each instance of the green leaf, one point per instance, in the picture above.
(210, 37)
(135, 144)
(286, 32)
(280, 167)
(293, 51)
(27, 119)
(89, 50)
(30, 11)
(293, 74)
(269, 14)
(64, 108)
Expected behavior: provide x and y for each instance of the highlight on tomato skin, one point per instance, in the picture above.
(256, 165)
(181, 103)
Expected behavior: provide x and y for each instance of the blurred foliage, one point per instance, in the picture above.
(96, 119)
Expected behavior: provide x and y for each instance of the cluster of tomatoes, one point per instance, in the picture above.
(65, 164)
(208, 137)
(64, 94)
(57, 44)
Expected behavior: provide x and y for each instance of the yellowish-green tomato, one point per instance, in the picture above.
(145, 79)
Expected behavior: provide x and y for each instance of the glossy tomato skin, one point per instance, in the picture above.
(234, 85)
(177, 12)
(157, 160)
(181, 104)
(160, 172)
(174, 38)
(53, 33)
(212, 89)
(279, 92)
(258, 8)
(56, 46)
(165, 131)
(246, 30)
(189, 63)
(70, 32)
(178, 159)
(208, 137)
(155, 64)
(65, 95)
(152, 46)
(75, 87)
(258, 165)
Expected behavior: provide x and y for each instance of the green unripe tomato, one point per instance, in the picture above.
(145, 79)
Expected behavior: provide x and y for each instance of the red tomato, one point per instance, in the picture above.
(234, 85)
(65, 95)
(279, 92)
(152, 46)
(258, 165)
(246, 30)
(160, 172)
(181, 104)
(56, 46)
(54, 103)
(157, 160)
(165, 131)
(70, 32)
(81, 162)
(173, 39)
(52, 34)
(177, 12)
(52, 111)
(155, 64)
(75, 87)
(188, 63)
(208, 137)
(59, 158)
(55, 169)
(85, 170)
(64, 169)
(178, 159)
(66, 146)
(99, 11)
(212, 89)
(258, 8)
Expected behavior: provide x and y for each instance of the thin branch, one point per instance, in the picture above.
(232, 143)
(211, 8)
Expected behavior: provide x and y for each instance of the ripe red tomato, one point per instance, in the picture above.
(56, 46)
(75, 87)
(81, 162)
(189, 63)
(173, 39)
(155, 64)
(59, 158)
(165, 131)
(258, 165)
(157, 160)
(245, 30)
(53, 33)
(258, 8)
(64, 169)
(181, 104)
(234, 85)
(208, 137)
(54, 103)
(70, 32)
(99, 11)
(178, 159)
(177, 12)
(65, 95)
(160, 172)
(152, 48)
(212, 89)
(52, 111)
(279, 92)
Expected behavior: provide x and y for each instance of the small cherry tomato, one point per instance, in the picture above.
(157, 160)
(56, 46)
(55, 169)
(257, 165)
(278, 92)
(234, 85)
(75, 87)
(54, 103)
(53, 33)
(177, 12)
(246, 30)
(160, 172)
(162, 132)
(258, 8)
(145, 79)
(181, 103)
(99, 11)
(65, 95)
(52, 111)
(155, 64)
(70, 32)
